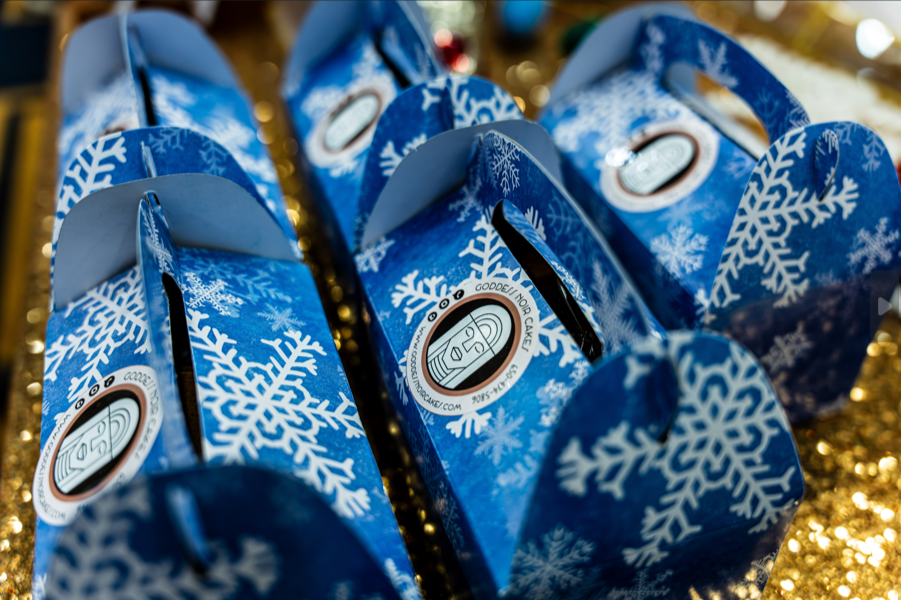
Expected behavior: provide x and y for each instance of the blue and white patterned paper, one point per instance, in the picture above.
(263, 533)
(734, 250)
(486, 470)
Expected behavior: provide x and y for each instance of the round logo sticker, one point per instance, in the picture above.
(662, 165)
(347, 129)
(101, 440)
(472, 347)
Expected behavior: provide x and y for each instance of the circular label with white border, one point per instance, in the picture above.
(705, 144)
(99, 442)
(347, 129)
(472, 347)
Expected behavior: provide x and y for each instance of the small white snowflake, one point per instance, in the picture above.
(499, 438)
(502, 160)
(466, 425)
(644, 587)
(535, 221)
(391, 159)
(872, 153)
(213, 294)
(610, 302)
(787, 350)
(714, 64)
(369, 259)
(553, 396)
(543, 571)
(873, 248)
(681, 250)
(159, 249)
(282, 320)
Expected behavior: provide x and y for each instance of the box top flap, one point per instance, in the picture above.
(92, 57)
(437, 166)
(609, 45)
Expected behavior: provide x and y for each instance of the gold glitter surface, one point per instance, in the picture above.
(844, 542)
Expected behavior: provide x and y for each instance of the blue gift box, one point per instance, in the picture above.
(183, 330)
(147, 68)
(364, 91)
(774, 246)
(571, 447)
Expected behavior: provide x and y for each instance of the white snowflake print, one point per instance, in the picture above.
(544, 570)
(92, 171)
(471, 111)
(787, 350)
(604, 113)
(650, 50)
(714, 64)
(163, 139)
(739, 166)
(402, 582)
(321, 100)
(266, 407)
(418, 295)
(535, 221)
(762, 567)
(391, 159)
(110, 109)
(644, 587)
(873, 249)
(610, 302)
(281, 319)
(680, 250)
(114, 315)
(502, 161)
(213, 294)
(499, 438)
(553, 396)
(250, 285)
(872, 153)
(769, 210)
(466, 425)
(157, 247)
(96, 541)
(369, 259)
(717, 441)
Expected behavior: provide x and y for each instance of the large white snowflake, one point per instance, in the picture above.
(503, 159)
(418, 295)
(680, 250)
(402, 582)
(114, 314)
(112, 109)
(214, 294)
(471, 111)
(644, 587)
(787, 350)
(717, 441)
(544, 570)
(266, 406)
(872, 153)
(605, 113)
(157, 247)
(391, 158)
(769, 211)
(714, 64)
(281, 319)
(610, 302)
(467, 424)
(499, 438)
(370, 258)
(97, 544)
(873, 249)
(92, 170)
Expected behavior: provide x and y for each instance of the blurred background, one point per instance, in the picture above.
(842, 60)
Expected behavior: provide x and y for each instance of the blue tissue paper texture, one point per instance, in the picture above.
(520, 528)
(777, 252)
(262, 534)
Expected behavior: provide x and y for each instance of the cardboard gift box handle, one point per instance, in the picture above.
(666, 41)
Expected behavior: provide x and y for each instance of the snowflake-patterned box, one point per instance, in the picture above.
(771, 246)
(219, 533)
(146, 68)
(485, 315)
(352, 94)
(205, 340)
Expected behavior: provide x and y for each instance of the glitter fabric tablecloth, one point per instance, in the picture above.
(844, 540)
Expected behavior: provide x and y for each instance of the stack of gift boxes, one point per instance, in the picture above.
(594, 329)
